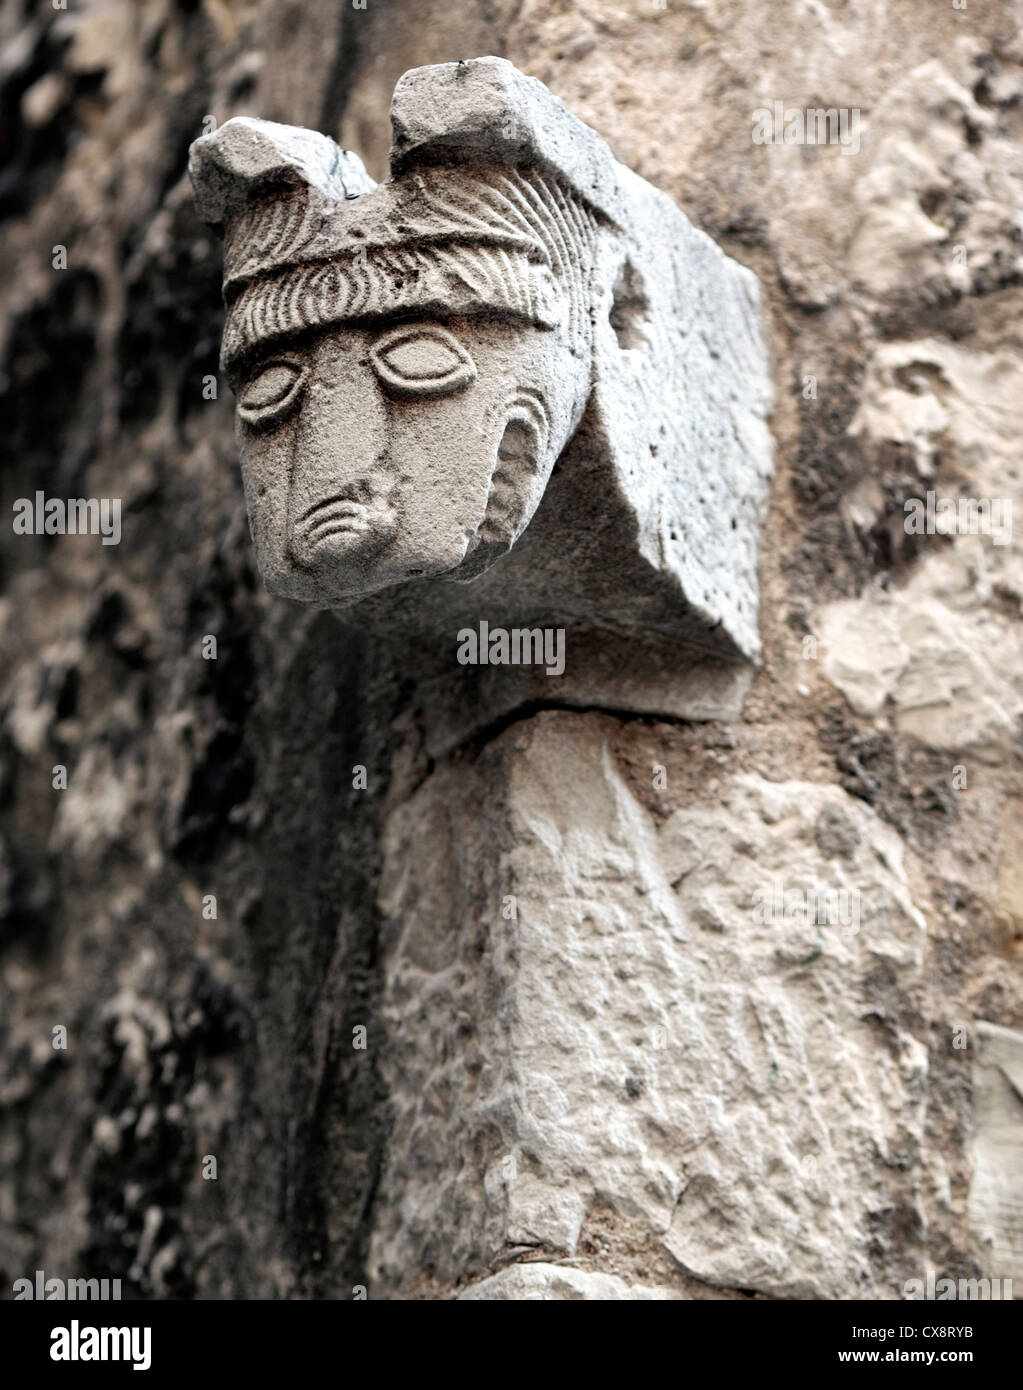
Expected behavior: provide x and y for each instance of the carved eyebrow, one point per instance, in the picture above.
(449, 280)
(240, 366)
(246, 359)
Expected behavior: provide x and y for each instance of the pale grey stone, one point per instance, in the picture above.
(996, 1190)
(630, 1033)
(862, 653)
(935, 653)
(932, 655)
(412, 360)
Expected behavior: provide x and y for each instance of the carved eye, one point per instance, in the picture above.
(416, 362)
(271, 391)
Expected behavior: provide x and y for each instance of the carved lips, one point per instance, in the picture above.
(343, 526)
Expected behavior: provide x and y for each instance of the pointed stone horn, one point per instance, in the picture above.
(246, 158)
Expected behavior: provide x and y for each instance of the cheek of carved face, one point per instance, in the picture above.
(416, 450)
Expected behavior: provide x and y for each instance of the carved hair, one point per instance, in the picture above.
(437, 241)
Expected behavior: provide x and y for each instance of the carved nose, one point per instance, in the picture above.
(338, 503)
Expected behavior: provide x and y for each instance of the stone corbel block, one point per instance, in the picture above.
(509, 385)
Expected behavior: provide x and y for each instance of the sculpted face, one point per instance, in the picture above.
(412, 358)
(409, 359)
(375, 453)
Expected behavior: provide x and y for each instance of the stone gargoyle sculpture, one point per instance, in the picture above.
(510, 384)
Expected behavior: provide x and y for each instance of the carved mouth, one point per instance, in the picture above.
(335, 517)
(352, 518)
(339, 526)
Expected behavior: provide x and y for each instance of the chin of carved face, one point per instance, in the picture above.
(379, 455)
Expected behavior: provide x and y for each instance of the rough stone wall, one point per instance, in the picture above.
(746, 1107)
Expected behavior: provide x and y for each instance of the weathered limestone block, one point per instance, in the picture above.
(586, 1010)
(510, 384)
(996, 1191)
(933, 651)
(951, 669)
(931, 138)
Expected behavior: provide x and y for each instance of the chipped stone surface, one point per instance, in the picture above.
(752, 1092)
(944, 644)
(863, 653)
(952, 669)
(935, 146)
(996, 1195)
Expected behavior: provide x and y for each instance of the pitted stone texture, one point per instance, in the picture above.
(951, 667)
(944, 646)
(627, 1030)
(535, 1282)
(554, 309)
(931, 147)
(996, 1191)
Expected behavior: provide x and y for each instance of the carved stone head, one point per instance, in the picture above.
(412, 360)
(409, 360)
